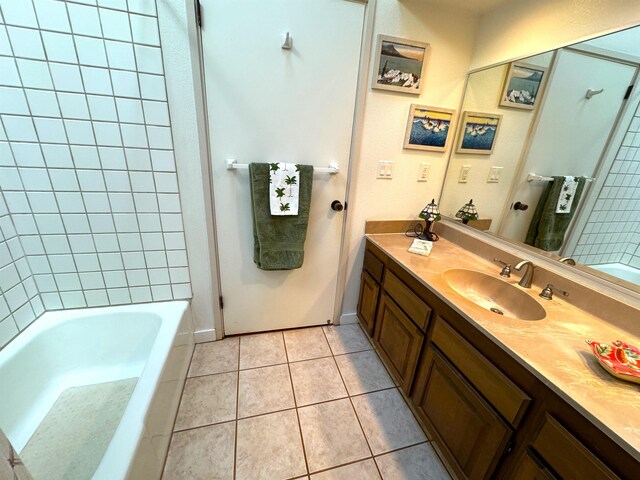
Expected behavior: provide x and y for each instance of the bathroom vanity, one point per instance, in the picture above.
(507, 395)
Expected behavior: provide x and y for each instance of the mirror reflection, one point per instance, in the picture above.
(562, 174)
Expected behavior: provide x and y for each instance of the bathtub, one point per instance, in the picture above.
(143, 350)
(620, 270)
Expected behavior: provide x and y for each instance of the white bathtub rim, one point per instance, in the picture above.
(118, 457)
(619, 270)
(50, 319)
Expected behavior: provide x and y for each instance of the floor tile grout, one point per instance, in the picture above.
(237, 417)
(235, 436)
(283, 363)
(295, 403)
(166, 455)
(297, 407)
(352, 406)
(353, 462)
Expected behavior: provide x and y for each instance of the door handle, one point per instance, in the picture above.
(520, 206)
(337, 206)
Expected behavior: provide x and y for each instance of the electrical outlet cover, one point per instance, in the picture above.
(464, 174)
(423, 172)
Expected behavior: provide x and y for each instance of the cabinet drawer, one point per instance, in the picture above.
(399, 342)
(413, 306)
(506, 398)
(471, 434)
(374, 266)
(569, 458)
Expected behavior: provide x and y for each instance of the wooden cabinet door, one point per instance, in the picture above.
(530, 468)
(398, 340)
(467, 430)
(368, 302)
(566, 455)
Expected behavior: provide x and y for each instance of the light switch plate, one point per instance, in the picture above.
(464, 174)
(385, 169)
(423, 172)
(494, 174)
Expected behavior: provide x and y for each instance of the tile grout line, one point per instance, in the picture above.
(136, 62)
(101, 170)
(147, 285)
(373, 348)
(196, 427)
(295, 403)
(20, 176)
(350, 400)
(274, 411)
(235, 433)
(86, 119)
(296, 407)
(429, 440)
(77, 177)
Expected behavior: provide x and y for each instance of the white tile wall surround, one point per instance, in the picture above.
(20, 301)
(89, 207)
(612, 232)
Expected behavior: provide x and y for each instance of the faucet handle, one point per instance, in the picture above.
(506, 271)
(547, 292)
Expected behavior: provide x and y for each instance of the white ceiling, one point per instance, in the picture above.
(479, 7)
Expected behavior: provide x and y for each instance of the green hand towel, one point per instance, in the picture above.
(547, 227)
(278, 241)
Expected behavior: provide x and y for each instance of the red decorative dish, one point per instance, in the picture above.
(619, 359)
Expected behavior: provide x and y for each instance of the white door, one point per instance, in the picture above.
(269, 104)
(572, 130)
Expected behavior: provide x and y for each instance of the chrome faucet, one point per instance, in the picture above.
(547, 292)
(567, 260)
(506, 271)
(527, 277)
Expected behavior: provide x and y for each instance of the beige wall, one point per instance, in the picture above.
(459, 42)
(450, 35)
(525, 28)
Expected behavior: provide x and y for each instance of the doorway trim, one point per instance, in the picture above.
(185, 96)
(354, 154)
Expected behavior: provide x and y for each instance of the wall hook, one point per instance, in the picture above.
(287, 42)
(590, 93)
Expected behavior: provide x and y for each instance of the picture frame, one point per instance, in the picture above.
(429, 128)
(399, 65)
(523, 86)
(478, 133)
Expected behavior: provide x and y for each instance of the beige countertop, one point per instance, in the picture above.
(553, 348)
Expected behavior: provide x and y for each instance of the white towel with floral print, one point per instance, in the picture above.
(567, 193)
(284, 188)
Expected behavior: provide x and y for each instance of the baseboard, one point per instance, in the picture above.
(208, 335)
(347, 318)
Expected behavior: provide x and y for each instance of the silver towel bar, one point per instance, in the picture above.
(532, 177)
(332, 169)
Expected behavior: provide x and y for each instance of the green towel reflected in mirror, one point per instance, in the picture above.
(547, 228)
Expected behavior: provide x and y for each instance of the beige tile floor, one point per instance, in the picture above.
(314, 403)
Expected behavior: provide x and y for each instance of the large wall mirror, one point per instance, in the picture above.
(562, 114)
